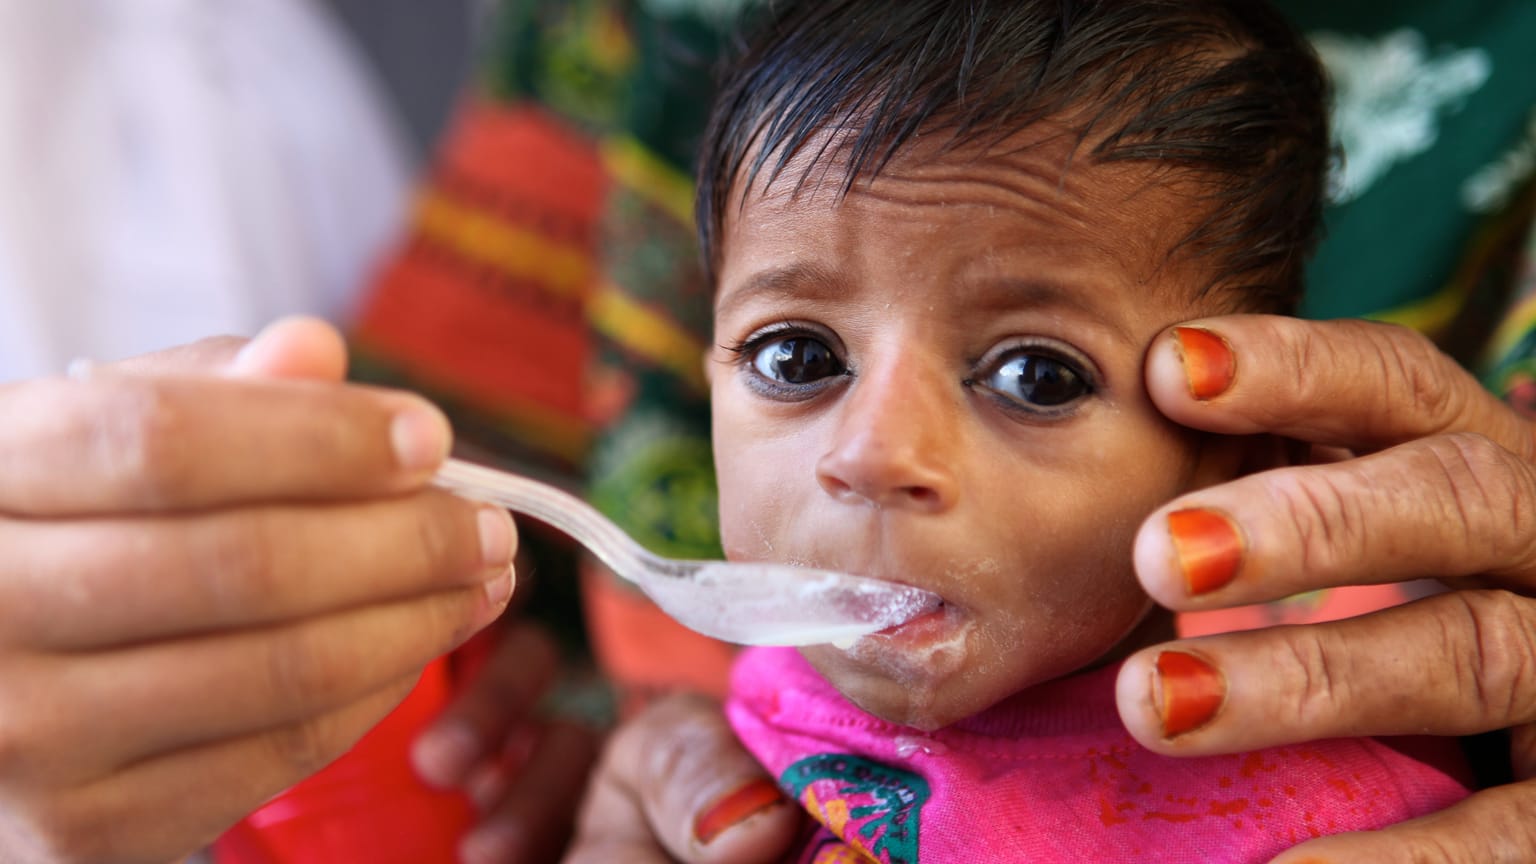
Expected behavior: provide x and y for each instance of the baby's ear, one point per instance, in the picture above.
(1225, 457)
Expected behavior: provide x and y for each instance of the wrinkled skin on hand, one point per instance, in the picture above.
(223, 566)
(1418, 473)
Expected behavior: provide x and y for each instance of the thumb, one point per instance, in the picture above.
(677, 778)
(293, 348)
(288, 348)
(1493, 825)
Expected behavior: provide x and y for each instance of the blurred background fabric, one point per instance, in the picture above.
(172, 169)
(424, 51)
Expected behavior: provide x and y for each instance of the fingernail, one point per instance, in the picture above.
(499, 589)
(734, 808)
(491, 844)
(1190, 691)
(485, 788)
(1208, 546)
(1209, 363)
(421, 438)
(496, 537)
(444, 754)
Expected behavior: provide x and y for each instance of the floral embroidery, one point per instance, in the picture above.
(874, 808)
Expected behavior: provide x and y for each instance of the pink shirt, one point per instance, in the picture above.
(1050, 775)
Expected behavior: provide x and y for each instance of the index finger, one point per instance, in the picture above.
(1357, 384)
(131, 443)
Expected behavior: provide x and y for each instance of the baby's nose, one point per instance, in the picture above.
(894, 444)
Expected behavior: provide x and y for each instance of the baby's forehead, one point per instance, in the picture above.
(1034, 198)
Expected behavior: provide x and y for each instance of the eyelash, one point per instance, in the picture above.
(745, 354)
(745, 351)
(995, 359)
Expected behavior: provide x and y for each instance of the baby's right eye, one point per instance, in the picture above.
(796, 359)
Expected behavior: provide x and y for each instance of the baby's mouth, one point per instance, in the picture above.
(928, 628)
(927, 618)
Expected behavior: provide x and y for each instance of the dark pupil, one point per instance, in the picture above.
(1047, 382)
(800, 361)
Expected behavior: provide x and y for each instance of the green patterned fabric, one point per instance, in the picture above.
(1435, 112)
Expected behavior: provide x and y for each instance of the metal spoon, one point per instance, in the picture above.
(745, 603)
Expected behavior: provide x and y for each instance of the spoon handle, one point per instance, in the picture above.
(561, 510)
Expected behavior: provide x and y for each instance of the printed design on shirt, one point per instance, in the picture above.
(874, 808)
(1390, 95)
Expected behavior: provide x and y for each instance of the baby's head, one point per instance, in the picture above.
(943, 236)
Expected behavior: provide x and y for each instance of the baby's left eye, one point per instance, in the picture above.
(1035, 380)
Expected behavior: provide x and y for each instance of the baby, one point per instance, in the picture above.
(943, 236)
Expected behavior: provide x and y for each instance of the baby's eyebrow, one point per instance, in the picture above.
(800, 280)
(1009, 293)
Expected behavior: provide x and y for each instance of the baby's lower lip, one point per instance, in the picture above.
(929, 625)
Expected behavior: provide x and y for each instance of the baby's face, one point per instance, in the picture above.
(937, 380)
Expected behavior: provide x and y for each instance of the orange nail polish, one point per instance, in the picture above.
(1209, 363)
(1208, 547)
(1190, 691)
(732, 809)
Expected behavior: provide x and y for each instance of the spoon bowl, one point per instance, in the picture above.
(747, 603)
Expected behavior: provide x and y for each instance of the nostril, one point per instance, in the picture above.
(921, 495)
(835, 487)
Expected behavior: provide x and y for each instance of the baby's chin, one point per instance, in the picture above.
(921, 674)
(948, 665)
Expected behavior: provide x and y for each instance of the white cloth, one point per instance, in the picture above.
(173, 169)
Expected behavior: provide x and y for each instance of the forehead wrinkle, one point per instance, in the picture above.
(1129, 214)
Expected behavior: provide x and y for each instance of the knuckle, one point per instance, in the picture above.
(304, 747)
(665, 757)
(1321, 693)
(1304, 351)
(680, 730)
(1417, 375)
(134, 433)
(301, 671)
(1326, 512)
(1484, 487)
(1497, 642)
(450, 621)
(446, 533)
(242, 562)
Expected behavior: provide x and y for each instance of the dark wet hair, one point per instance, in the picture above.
(1224, 92)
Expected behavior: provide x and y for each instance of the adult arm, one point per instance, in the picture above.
(1423, 474)
(220, 570)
